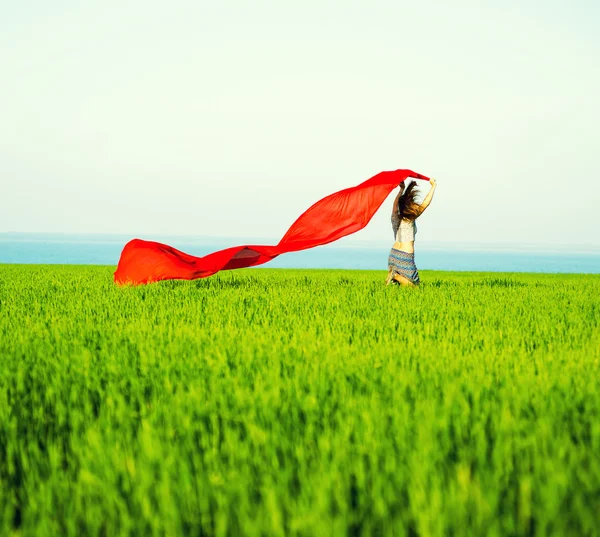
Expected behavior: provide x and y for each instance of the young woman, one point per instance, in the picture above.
(401, 263)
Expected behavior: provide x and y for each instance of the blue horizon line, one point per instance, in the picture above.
(346, 242)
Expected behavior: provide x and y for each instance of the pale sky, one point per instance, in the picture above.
(231, 118)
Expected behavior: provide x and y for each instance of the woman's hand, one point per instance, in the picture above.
(401, 185)
(433, 183)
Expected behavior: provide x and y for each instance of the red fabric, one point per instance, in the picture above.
(328, 220)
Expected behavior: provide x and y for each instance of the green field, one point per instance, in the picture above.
(288, 402)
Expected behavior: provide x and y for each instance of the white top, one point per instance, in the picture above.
(404, 230)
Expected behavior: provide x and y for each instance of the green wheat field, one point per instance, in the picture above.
(299, 402)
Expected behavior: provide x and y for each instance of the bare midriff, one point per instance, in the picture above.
(408, 246)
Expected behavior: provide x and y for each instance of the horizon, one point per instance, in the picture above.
(346, 242)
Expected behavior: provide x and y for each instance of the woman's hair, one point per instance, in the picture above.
(408, 208)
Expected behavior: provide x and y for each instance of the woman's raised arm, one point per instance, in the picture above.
(397, 200)
(427, 200)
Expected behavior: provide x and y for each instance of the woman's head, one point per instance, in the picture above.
(408, 208)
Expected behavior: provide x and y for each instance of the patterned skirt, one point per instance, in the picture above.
(403, 263)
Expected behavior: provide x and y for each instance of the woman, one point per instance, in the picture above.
(401, 263)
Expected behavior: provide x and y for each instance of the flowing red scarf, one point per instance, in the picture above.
(328, 220)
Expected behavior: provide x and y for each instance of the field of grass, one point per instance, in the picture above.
(313, 403)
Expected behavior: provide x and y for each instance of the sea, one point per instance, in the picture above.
(96, 249)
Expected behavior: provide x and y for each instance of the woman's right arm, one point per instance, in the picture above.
(427, 200)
